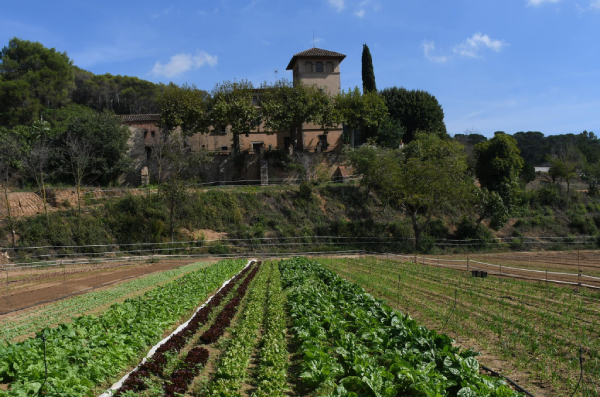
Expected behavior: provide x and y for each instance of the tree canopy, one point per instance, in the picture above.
(417, 110)
(32, 78)
(499, 165)
(368, 73)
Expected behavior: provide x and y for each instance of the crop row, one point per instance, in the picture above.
(180, 378)
(273, 364)
(63, 310)
(353, 344)
(542, 338)
(91, 350)
(233, 363)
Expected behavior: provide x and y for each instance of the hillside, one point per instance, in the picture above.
(284, 212)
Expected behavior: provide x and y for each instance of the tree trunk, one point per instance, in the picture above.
(43, 188)
(79, 198)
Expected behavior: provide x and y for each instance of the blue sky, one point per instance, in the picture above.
(510, 65)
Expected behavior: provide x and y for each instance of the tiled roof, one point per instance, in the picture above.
(315, 52)
(129, 118)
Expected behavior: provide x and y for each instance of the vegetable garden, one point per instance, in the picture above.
(237, 328)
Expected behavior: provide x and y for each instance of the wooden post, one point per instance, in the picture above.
(578, 270)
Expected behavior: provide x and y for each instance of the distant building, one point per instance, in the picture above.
(542, 169)
(313, 66)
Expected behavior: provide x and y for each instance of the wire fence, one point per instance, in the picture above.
(76, 269)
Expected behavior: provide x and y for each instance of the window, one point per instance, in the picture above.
(152, 134)
(255, 99)
(319, 67)
(308, 67)
(145, 133)
(223, 130)
(148, 152)
(329, 67)
(224, 148)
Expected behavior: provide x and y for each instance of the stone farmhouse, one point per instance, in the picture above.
(312, 67)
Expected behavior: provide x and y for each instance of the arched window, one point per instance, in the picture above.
(319, 68)
(329, 67)
(308, 67)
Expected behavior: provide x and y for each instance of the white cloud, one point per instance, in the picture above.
(360, 13)
(471, 47)
(183, 62)
(428, 48)
(536, 3)
(337, 4)
(595, 5)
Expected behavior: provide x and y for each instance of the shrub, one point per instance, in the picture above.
(437, 229)
(583, 224)
(467, 229)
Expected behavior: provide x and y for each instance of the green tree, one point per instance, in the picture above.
(286, 107)
(489, 205)
(417, 111)
(232, 105)
(185, 107)
(181, 162)
(528, 173)
(389, 133)
(368, 74)
(32, 78)
(430, 174)
(10, 162)
(591, 175)
(499, 165)
(361, 112)
(566, 166)
(107, 139)
(121, 94)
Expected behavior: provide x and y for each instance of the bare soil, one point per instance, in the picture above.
(27, 288)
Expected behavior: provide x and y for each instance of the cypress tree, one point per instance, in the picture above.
(368, 74)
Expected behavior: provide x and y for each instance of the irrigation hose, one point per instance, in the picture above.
(513, 383)
(580, 372)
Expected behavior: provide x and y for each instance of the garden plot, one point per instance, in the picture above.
(277, 328)
(530, 331)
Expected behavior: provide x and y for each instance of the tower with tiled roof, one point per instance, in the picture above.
(319, 67)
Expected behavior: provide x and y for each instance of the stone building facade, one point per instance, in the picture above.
(312, 67)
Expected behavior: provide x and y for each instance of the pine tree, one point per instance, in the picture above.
(368, 74)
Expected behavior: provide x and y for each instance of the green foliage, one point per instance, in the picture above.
(427, 176)
(417, 111)
(469, 230)
(185, 107)
(231, 104)
(108, 140)
(32, 78)
(110, 341)
(499, 165)
(362, 112)
(535, 147)
(286, 106)
(368, 74)
(120, 94)
(390, 133)
(528, 173)
(355, 345)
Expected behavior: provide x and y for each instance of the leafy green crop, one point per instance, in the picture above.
(92, 350)
(272, 369)
(354, 345)
(233, 364)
